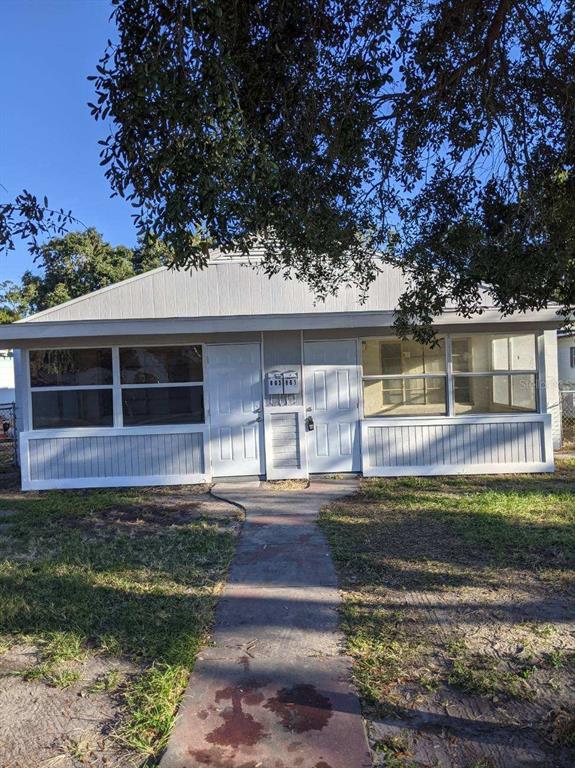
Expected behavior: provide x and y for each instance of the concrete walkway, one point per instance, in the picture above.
(274, 691)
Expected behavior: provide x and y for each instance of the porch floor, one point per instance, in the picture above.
(274, 690)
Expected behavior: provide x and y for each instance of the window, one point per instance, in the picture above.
(72, 408)
(488, 373)
(71, 388)
(572, 356)
(403, 378)
(162, 385)
(154, 385)
(494, 374)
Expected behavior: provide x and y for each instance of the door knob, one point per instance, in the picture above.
(309, 425)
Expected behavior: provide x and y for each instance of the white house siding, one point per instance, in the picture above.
(566, 372)
(552, 384)
(7, 390)
(223, 289)
(389, 446)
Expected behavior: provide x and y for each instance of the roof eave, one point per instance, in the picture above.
(16, 334)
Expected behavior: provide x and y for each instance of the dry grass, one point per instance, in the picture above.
(460, 598)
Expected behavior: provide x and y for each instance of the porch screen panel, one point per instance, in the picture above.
(403, 378)
(494, 374)
(71, 388)
(162, 385)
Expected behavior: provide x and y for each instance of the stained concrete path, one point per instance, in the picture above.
(274, 691)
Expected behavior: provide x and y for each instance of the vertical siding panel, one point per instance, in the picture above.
(434, 446)
(156, 451)
(422, 438)
(524, 438)
(163, 467)
(175, 453)
(398, 450)
(372, 446)
(55, 464)
(536, 441)
(187, 448)
(132, 450)
(407, 445)
(481, 429)
(194, 465)
(181, 449)
(385, 448)
(182, 453)
(108, 458)
(489, 439)
(520, 445)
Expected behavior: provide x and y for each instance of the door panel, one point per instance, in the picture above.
(331, 381)
(235, 406)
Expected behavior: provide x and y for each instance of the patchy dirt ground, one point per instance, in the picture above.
(460, 618)
(47, 725)
(105, 598)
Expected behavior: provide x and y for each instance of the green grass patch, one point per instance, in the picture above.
(485, 675)
(76, 580)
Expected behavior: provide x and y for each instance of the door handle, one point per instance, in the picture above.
(309, 425)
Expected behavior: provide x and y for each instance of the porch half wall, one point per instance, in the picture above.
(473, 445)
(113, 458)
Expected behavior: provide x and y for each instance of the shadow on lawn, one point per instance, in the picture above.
(136, 585)
(459, 615)
(452, 532)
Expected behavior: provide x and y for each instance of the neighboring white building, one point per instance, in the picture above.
(178, 377)
(566, 359)
(6, 376)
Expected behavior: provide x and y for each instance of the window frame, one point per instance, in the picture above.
(449, 374)
(116, 386)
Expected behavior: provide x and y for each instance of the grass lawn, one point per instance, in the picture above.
(121, 582)
(459, 614)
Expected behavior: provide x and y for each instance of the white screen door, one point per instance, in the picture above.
(235, 407)
(331, 381)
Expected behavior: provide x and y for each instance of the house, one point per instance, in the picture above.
(566, 359)
(6, 377)
(178, 377)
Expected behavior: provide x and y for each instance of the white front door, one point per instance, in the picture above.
(235, 409)
(331, 380)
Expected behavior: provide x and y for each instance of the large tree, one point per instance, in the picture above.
(73, 265)
(436, 135)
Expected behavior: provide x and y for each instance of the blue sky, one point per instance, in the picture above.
(48, 140)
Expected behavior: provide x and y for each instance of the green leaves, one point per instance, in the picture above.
(337, 135)
(73, 265)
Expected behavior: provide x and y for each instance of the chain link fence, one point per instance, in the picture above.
(568, 417)
(8, 450)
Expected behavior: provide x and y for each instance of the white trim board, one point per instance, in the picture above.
(459, 469)
(114, 482)
(491, 321)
